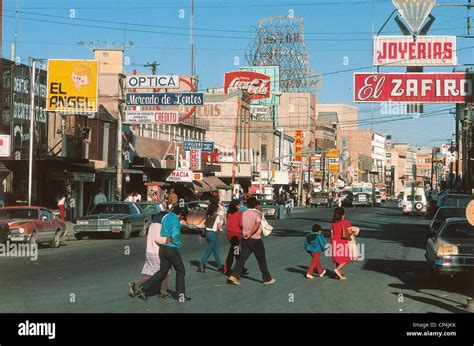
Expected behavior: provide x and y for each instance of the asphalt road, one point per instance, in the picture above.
(92, 275)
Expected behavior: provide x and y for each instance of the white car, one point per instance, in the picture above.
(416, 203)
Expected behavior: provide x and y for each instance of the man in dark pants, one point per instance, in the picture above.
(169, 256)
(252, 243)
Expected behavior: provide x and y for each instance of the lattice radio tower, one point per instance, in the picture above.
(279, 41)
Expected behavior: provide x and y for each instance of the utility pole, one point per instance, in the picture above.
(234, 163)
(192, 38)
(153, 66)
(119, 138)
(32, 129)
(458, 118)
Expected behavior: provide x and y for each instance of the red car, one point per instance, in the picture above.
(33, 225)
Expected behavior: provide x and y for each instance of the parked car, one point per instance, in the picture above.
(450, 249)
(34, 225)
(151, 208)
(269, 208)
(320, 199)
(455, 200)
(124, 218)
(415, 203)
(195, 216)
(444, 213)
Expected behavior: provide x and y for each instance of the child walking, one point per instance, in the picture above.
(314, 244)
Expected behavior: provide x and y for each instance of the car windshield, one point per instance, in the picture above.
(457, 201)
(267, 203)
(443, 214)
(20, 213)
(458, 231)
(111, 209)
(198, 206)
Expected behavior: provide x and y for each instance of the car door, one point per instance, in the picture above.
(45, 232)
(431, 246)
(136, 218)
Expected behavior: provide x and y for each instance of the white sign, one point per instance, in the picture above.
(445, 148)
(181, 175)
(152, 81)
(195, 159)
(260, 112)
(5, 145)
(425, 51)
(414, 12)
(152, 117)
(440, 165)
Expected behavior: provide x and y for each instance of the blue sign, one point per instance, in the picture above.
(165, 99)
(203, 146)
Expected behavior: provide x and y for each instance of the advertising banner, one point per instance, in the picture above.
(181, 175)
(152, 81)
(164, 99)
(72, 86)
(298, 145)
(256, 84)
(152, 117)
(413, 87)
(333, 165)
(195, 160)
(425, 51)
(203, 146)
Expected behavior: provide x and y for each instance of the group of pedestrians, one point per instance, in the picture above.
(286, 204)
(244, 234)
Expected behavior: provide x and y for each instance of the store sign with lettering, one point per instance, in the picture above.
(425, 51)
(195, 159)
(257, 85)
(152, 117)
(152, 81)
(414, 87)
(181, 175)
(165, 99)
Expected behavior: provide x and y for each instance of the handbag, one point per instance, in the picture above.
(346, 232)
(266, 227)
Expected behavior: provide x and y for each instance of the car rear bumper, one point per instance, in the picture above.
(454, 264)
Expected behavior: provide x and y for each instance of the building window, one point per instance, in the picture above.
(263, 151)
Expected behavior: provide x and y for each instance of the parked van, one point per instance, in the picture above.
(414, 203)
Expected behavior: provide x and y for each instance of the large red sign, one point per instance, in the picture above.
(256, 84)
(413, 87)
(425, 51)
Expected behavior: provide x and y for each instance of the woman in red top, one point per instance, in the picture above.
(234, 233)
(339, 246)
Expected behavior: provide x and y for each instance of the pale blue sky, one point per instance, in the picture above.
(334, 30)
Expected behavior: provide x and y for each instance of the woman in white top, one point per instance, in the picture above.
(213, 227)
(152, 262)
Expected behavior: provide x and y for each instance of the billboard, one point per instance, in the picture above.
(257, 85)
(425, 51)
(413, 87)
(72, 86)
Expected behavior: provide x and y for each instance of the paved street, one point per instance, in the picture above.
(95, 274)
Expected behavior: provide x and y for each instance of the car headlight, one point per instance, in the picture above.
(446, 249)
(21, 230)
(116, 222)
(82, 222)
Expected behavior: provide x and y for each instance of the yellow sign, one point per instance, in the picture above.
(72, 86)
(298, 144)
(333, 153)
(333, 168)
(318, 175)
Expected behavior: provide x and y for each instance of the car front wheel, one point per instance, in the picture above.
(127, 231)
(55, 242)
(144, 230)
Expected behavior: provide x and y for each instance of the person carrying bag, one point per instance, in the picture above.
(213, 226)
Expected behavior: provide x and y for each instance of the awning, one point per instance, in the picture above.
(215, 183)
(201, 186)
(153, 151)
(111, 170)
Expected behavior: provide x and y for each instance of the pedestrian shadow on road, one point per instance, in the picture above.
(194, 263)
(288, 233)
(434, 302)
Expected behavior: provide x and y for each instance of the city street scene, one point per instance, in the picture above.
(204, 156)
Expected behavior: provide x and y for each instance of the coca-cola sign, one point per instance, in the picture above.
(256, 84)
(425, 51)
(413, 87)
